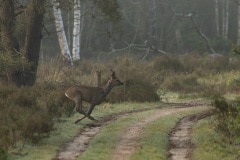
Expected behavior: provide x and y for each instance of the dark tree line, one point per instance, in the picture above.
(114, 26)
(23, 25)
(10, 42)
(164, 24)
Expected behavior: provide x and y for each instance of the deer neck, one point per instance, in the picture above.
(106, 89)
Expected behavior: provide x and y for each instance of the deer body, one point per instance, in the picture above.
(93, 95)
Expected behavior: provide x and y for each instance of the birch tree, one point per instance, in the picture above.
(76, 31)
(61, 32)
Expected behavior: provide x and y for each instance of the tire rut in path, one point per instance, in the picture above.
(129, 141)
(180, 145)
(79, 144)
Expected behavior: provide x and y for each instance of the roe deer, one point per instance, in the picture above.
(92, 95)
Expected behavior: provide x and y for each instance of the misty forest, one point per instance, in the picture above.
(132, 59)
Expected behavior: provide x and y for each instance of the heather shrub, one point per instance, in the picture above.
(58, 105)
(210, 91)
(227, 120)
(29, 113)
(134, 90)
(167, 63)
(9, 64)
(182, 83)
(37, 125)
(3, 154)
(137, 83)
(215, 64)
(232, 81)
(192, 63)
(24, 111)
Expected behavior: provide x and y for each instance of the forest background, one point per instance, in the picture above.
(155, 46)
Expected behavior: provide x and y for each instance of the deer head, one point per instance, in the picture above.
(114, 81)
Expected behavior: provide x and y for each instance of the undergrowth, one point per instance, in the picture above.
(28, 114)
(227, 120)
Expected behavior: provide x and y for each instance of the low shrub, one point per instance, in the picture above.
(37, 125)
(228, 119)
(3, 154)
(182, 83)
(134, 90)
(167, 63)
(28, 113)
(58, 104)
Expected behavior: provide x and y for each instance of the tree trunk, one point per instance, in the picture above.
(7, 18)
(69, 35)
(225, 19)
(76, 30)
(61, 32)
(204, 37)
(217, 17)
(35, 10)
(178, 36)
(238, 39)
(154, 24)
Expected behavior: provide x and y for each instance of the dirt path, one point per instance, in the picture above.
(79, 144)
(180, 145)
(128, 142)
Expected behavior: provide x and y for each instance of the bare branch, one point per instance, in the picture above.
(191, 17)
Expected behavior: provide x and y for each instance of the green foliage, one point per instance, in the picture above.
(182, 83)
(109, 9)
(221, 44)
(3, 154)
(9, 64)
(58, 105)
(167, 63)
(209, 144)
(228, 119)
(134, 90)
(28, 113)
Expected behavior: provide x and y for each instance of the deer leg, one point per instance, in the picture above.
(79, 109)
(90, 111)
(80, 119)
(88, 116)
(78, 102)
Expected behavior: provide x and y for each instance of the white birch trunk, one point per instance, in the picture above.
(69, 37)
(76, 31)
(217, 17)
(61, 32)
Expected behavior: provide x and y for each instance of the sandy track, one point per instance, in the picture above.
(128, 142)
(180, 145)
(79, 144)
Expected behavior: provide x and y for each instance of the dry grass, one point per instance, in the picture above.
(190, 74)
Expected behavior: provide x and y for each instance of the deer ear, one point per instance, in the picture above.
(113, 74)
